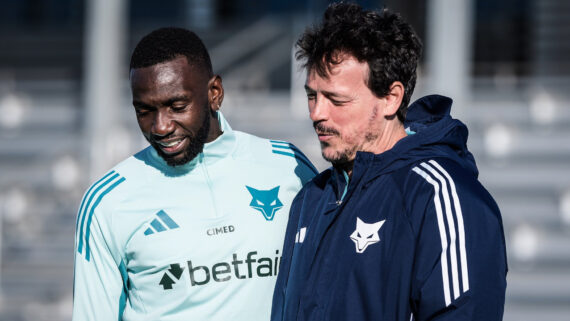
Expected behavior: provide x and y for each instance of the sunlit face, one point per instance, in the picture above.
(345, 113)
(172, 107)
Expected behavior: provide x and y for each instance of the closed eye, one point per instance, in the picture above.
(178, 108)
(337, 102)
(337, 99)
(141, 111)
(311, 94)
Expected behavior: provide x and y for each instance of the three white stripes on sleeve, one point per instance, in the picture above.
(444, 188)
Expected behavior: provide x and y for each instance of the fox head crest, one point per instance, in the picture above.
(266, 202)
(365, 234)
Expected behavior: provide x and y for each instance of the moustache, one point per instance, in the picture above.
(323, 130)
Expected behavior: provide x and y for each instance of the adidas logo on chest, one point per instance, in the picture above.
(160, 223)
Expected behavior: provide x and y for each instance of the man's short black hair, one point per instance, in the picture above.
(166, 44)
(380, 38)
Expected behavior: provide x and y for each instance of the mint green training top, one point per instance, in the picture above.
(200, 241)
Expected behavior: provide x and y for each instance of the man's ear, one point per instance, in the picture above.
(215, 92)
(394, 98)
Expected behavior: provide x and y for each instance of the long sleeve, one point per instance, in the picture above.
(100, 286)
(460, 262)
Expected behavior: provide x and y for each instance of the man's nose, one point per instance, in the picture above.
(163, 124)
(318, 109)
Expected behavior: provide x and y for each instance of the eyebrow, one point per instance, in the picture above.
(139, 104)
(175, 99)
(327, 93)
(168, 102)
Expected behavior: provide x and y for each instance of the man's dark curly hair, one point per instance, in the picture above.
(166, 44)
(382, 39)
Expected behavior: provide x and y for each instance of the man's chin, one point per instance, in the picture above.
(336, 157)
(178, 159)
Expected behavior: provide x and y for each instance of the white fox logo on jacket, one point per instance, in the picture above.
(365, 234)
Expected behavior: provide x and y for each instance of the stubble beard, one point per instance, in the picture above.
(337, 158)
(348, 154)
(195, 147)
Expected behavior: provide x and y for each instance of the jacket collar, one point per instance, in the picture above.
(437, 134)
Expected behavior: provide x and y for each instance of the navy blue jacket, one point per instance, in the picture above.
(415, 236)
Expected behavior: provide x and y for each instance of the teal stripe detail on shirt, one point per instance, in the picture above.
(296, 153)
(309, 165)
(86, 196)
(292, 147)
(124, 293)
(166, 219)
(300, 153)
(87, 229)
(283, 153)
(85, 210)
(280, 146)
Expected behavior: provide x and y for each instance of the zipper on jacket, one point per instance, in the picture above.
(209, 183)
(339, 196)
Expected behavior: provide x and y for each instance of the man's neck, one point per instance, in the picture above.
(215, 130)
(346, 167)
(385, 142)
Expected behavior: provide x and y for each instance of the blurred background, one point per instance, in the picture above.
(66, 117)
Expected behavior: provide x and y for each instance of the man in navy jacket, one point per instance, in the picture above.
(399, 228)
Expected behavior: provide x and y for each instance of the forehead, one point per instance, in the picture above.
(348, 73)
(174, 73)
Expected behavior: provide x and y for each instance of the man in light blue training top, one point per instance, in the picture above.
(192, 226)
